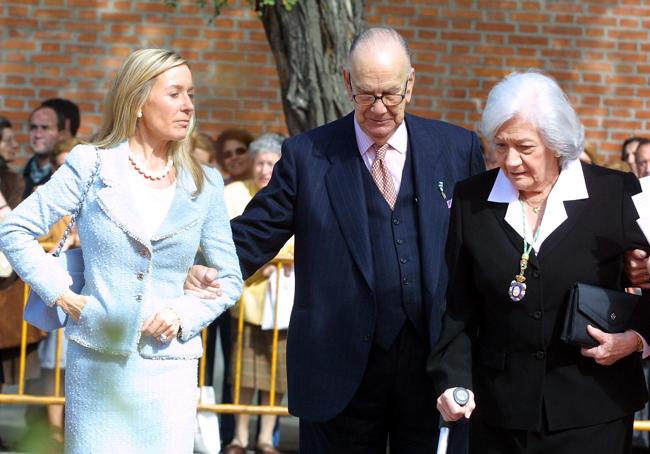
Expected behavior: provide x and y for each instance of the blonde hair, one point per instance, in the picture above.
(128, 93)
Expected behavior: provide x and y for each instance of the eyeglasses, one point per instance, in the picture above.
(227, 154)
(389, 100)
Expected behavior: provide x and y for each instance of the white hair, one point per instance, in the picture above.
(267, 143)
(539, 100)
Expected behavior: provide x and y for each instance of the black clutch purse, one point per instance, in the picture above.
(605, 309)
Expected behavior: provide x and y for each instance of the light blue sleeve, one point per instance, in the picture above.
(33, 219)
(219, 251)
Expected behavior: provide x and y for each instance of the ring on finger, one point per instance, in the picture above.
(162, 338)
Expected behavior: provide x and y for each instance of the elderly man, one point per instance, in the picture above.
(367, 198)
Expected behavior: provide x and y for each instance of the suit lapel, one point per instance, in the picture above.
(574, 210)
(117, 202)
(114, 198)
(345, 188)
(183, 212)
(433, 190)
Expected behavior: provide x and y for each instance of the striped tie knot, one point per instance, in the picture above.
(381, 175)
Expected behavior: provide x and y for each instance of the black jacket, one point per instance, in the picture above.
(510, 353)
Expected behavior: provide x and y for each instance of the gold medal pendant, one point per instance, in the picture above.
(517, 289)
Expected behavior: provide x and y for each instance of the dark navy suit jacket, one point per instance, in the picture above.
(316, 193)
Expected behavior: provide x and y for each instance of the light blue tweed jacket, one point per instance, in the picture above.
(128, 275)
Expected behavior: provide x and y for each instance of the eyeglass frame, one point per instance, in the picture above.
(381, 98)
(239, 151)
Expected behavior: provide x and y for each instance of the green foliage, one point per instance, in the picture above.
(258, 5)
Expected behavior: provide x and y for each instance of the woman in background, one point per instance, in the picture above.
(233, 155)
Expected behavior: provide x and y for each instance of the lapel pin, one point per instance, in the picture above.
(441, 188)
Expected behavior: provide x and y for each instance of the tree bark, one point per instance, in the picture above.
(310, 45)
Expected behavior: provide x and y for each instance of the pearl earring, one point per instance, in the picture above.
(139, 114)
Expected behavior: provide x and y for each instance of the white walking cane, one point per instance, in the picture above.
(461, 396)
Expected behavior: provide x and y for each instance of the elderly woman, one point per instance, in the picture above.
(149, 206)
(519, 237)
(257, 344)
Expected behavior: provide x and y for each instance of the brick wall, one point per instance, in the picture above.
(71, 48)
(597, 49)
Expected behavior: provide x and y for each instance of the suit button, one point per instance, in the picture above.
(405, 281)
(144, 252)
(138, 297)
(396, 221)
(366, 338)
(140, 276)
(537, 315)
(535, 274)
(399, 241)
(403, 260)
(539, 355)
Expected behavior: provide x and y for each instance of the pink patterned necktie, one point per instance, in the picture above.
(381, 175)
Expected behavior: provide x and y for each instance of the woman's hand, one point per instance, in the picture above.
(450, 410)
(72, 304)
(612, 346)
(163, 325)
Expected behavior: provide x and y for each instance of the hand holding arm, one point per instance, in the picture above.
(612, 346)
(201, 281)
(637, 268)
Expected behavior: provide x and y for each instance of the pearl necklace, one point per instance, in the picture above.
(153, 176)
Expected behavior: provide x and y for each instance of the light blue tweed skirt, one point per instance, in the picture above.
(126, 405)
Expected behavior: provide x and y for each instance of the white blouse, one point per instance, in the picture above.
(152, 204)
(570, 185)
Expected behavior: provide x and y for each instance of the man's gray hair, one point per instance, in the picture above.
(267, 143)
(539, 100)
(377, 37)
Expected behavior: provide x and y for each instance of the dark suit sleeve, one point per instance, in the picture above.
(450, 362)
(636, 240)
(476, 159)
(267, 222)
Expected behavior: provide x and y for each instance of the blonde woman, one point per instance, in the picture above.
(132, 357)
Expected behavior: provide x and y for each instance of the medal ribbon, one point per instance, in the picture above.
(523, 263)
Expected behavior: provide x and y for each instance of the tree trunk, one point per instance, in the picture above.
(310, 45)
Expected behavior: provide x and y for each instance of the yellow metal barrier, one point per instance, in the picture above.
(20, 398)
(235, 408)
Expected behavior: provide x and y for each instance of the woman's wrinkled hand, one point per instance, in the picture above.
(450, 410)
(163, 325)
(72, 304)
(612, 347)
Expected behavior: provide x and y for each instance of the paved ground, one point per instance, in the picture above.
(13, 429)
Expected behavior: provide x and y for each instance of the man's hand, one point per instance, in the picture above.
(72, 304)
(450, 410)
(612, 346)
(202, 282)
(636, 268)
